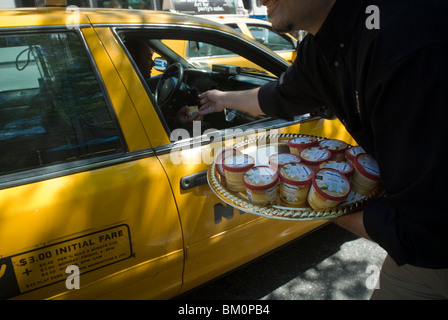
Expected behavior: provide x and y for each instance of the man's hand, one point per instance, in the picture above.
(212, 101)
(245, 101)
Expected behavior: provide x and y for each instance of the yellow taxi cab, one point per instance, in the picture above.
(102, 196)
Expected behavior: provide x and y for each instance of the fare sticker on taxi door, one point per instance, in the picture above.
(40, 267)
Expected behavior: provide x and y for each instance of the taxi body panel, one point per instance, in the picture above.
(124, 218)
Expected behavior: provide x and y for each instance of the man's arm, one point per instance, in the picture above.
(353, 223)
(215, 101)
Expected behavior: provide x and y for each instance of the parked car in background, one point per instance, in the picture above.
(283, 44)
(102, 194)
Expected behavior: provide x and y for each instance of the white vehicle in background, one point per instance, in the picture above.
(284, 44)
(247, 16)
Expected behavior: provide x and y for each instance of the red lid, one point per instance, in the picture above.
(260, 178)
(352, 152)
(302, 142)
(220, 169)
(334, 145)
(315, 155)
(303, 173)
(238, 163)
(367, 166)
(330, 179)
(341, 166)
(225, 152)
(221, 154)
(280, 159)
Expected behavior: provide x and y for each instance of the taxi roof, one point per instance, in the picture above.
(46, 16)
(234, 19)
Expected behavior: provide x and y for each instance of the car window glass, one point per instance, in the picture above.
(198, 61)
(52, 109)
(197, 49)
(270, 39)
(203, 55)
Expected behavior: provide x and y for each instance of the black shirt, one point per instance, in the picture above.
(389, 86)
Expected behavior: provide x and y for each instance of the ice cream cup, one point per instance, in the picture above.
(234, 169)
(295, 183)
(220, 155)
(278, 159)
(261, 185)
(329, 188)
(342, 166)
(352, 152)
(296, 145)
(315, 156)
(367, 174)
(337, 148)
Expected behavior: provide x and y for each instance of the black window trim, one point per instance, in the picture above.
(208, 33)
(73, 167)
(116, 32)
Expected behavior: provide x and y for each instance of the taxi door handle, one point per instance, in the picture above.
(193, 180)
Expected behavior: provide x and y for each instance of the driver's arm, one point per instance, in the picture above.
(245, 101)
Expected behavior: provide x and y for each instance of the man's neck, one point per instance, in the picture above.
(320, 16)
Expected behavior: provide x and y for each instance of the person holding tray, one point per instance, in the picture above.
(381, 66)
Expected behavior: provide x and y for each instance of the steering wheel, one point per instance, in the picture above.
(169, 84)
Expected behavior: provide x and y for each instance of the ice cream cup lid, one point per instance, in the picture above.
(336, 146)
(296, 173)
(225, 152)
(341, 166)
(352, 152)
(279, 159)
(260, 178)
(315, 155)
(302, 142)
(238, 163)
(367, 166)
(331, 184)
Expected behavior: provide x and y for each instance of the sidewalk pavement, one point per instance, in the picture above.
(329, 264)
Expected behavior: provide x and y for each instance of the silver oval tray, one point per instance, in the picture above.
(265, 146)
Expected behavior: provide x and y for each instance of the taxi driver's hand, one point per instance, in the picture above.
(184, 119)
